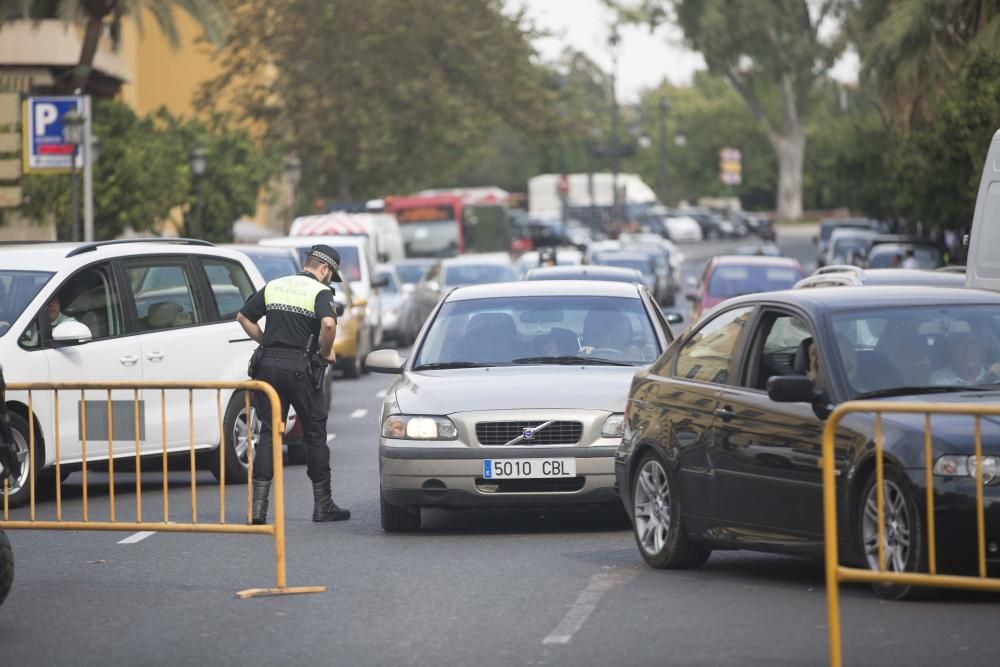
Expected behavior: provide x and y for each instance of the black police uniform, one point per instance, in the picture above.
(295, 306)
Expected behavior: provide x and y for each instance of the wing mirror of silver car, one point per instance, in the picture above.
(673, 317)
(71, 333)
(385, 361)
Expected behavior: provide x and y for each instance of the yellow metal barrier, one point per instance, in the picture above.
(275, 530)
(835, 572)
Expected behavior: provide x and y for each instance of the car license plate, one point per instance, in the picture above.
(528, 468)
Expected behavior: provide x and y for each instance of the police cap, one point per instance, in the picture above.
(330, 257)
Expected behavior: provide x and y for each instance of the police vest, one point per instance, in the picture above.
(293, 294)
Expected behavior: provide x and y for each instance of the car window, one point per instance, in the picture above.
(730, 281)
(274, 266)
(90, 297)
(781, 350)
(231, 286)
(708, 354)
(17, 289)
(164, 294)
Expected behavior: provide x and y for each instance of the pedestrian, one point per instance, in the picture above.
(301, 324)
(911, 260)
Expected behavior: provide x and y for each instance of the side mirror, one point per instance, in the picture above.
(791, 389)
(384, 361)
(71, 333)
(673, 317)
(379, 282)
(692, 296)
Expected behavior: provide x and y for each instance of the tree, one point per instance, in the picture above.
(911, 49)
(772, 54)
(375, 111)
(94, 13)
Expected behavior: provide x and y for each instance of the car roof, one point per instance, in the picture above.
(871, 297)
(596, 270)
(529, 288)
(248, 248)
(860, 232)
(56, 257)
(912, 276)
(756, 260)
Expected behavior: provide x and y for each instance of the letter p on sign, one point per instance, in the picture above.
(45, 115)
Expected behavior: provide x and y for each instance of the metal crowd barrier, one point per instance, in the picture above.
(837, 573)
(275, 529)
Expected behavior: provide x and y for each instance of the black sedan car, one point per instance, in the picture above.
(722, 441)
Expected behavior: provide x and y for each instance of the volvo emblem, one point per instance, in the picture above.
(528, 434)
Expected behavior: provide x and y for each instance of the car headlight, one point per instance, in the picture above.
(417, 427)
(955, 465)
(614, 426)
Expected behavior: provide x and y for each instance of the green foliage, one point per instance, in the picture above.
(143, 173)
(381, 96)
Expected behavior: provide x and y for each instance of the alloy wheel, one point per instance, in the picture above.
(896, 528)
(21, 449)
(241, 441)
(652, 505)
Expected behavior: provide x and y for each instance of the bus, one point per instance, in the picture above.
(450, 224)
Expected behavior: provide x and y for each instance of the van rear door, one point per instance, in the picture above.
(983, 265)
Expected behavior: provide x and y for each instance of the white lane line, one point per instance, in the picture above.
(137, 537)
(359, 413)
(331, 437)
(585, 605)
(380, 394)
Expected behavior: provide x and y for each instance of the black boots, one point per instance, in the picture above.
(261, 490)
(324, 509)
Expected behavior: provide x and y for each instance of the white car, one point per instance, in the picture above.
(531, 259)
(682, 228)
(117, 311)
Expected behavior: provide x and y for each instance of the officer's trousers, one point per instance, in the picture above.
(277, 368)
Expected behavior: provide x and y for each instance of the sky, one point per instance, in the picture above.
(644, 59)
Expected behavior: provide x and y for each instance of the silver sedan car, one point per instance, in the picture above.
(514, 396)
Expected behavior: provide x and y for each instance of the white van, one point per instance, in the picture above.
(983, 265)
(357, 264)
(381, 228)
(584, 190)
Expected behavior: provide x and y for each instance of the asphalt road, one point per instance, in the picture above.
(471, 588)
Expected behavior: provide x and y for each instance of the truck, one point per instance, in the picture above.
(983, 264)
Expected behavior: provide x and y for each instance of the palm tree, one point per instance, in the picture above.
(210, 14)
(910, 48)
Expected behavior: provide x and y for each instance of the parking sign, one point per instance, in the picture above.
(45, 150)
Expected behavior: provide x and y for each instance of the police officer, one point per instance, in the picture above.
(299, 310)
(8, 468)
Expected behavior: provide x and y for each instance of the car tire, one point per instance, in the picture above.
(658, 518)
(234, 439)
(6, 567)
(396, 519)
(352, 366)
(20, 495)
(902, 511)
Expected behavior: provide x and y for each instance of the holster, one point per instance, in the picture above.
(255, 359)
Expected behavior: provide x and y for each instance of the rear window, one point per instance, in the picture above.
(730, 281)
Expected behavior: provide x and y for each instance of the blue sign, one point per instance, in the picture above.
(45, 147)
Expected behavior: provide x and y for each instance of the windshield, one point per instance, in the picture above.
(350, 262)
(917, 347)
(730, 281)
(477, 274)
(17, 289)
(537, 330)
(411, 274)
(430, 238)
(271, 266)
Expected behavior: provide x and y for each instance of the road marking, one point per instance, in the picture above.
(359, 413)
(331, 437)
(380, 394)
(137, 537)
(585, 605)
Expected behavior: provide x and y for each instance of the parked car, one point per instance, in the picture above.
(723, 433)
(712, 226)
(728, 276)
(151, 310)
(461, 428)
(682, 229)
(849, 275)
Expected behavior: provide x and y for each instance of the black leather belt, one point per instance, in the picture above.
(282, 353)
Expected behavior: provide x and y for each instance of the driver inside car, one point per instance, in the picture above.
(967, 361)
(605, 330)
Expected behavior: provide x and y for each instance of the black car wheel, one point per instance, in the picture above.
(20, 489)
(904, 545)
(658, 521)
(237, 433)
(396, 519)
(6, 567)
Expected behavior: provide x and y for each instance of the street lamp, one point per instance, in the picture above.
(663, 106)
(293, 174)
(72, 122)
(199, 164)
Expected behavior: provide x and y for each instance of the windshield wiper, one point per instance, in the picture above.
(921, 389)
(449, 364)
(570, 360)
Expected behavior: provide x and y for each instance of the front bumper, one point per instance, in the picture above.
(453, 477)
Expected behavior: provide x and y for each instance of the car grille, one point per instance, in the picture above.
(554, 485)
(492, 434)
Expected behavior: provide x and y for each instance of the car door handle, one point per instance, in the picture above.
(725, 413)
(128, 360)
(155, 356)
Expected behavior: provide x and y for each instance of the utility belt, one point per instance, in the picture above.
(308, 363)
